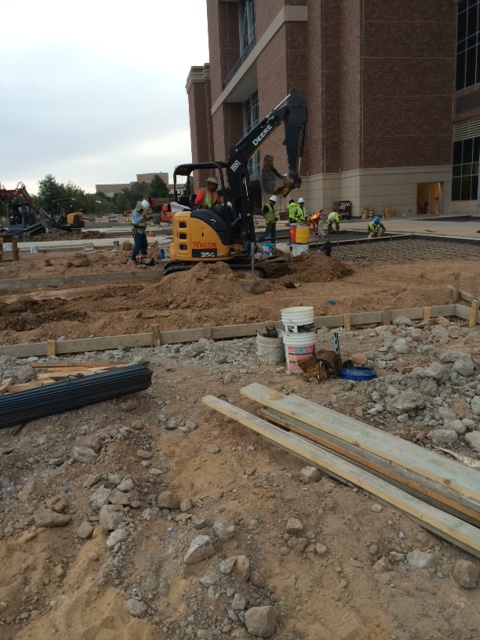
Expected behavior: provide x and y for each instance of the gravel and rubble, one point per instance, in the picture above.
(151, 516)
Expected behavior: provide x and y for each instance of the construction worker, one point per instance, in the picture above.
(300, 215)
(333, 218)
(140, 216)
(270, 216)
(314, 220)
(207, 198)
(291, 210)
(375, 228)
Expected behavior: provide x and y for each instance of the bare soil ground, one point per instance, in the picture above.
(328, 583)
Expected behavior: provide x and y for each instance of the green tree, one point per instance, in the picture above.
(158, 188)
(49, 190)
(122, 202)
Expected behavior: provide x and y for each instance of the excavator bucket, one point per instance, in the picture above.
(274, 182)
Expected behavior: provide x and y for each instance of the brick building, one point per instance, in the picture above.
(379, 80)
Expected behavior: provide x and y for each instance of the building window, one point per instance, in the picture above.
(250, 119)
(466, 154)
(246, 22)
(468, 44)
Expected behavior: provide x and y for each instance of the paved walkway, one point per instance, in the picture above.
(463, 228)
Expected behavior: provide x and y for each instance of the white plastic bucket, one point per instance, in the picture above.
(298, 249)
(270, 350)
(297, 346)
(298, 319)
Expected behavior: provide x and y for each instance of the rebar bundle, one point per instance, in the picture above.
(25, 406)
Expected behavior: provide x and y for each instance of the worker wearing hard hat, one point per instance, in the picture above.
(140, 216)
(375, 228)
(291, 209)
(333, 218)
(207, 197)
(301, 213)
(270, 216)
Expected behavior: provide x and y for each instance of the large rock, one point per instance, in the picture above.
(84, 454)
(49, 518)
(473, 440)
(137, 608)
(466, 574)
(111, 516)
(200, 548)
(168, 500)
(261, 621)
(441, 437)
(405, 401)
(224, 531)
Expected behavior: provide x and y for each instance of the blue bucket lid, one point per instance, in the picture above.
(358, 374)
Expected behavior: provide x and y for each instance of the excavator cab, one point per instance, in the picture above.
(202, 235)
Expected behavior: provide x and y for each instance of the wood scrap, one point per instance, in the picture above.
(4, 385)
(467, 460)
(442, 524)
(70, 373)
(78, 365)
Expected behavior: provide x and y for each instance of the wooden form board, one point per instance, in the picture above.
(423, 462)
(419, 486)
(16, 284)
(442, 524)
(226, 332)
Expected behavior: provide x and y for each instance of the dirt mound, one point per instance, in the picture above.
(201, 286)
(317, 267)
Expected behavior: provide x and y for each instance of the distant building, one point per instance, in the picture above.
(110, 190)
(379, 79)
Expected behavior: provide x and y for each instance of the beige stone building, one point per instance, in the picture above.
(110, 190)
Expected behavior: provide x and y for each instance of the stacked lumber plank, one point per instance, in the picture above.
(439, 493)
(55, 372)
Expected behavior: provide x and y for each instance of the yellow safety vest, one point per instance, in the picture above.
(208, 198)
(292, 208)
(141, 226)
(333, 217)
(270, 216)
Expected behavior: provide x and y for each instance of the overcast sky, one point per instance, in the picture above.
(94, 92)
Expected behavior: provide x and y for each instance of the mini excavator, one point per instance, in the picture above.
(227, 231)
(25, 218)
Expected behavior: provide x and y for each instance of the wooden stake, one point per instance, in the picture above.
(157, 340)
(51, 350)
(472, 320)
(456, 287)
(386, 317)
(427, 313)
(346, 321)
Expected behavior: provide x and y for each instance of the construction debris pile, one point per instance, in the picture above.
(151, 515)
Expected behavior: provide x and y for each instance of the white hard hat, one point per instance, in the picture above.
(212, 179)
(273, 198)
(229, 204)
(145, 205)
(301, 201)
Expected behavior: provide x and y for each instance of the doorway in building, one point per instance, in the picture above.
(429, 198)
